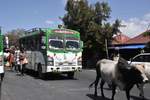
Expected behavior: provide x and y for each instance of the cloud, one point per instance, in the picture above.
(49, 22)
(53, 23)
(135, 26)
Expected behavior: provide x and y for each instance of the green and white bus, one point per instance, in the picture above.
(1, 56)
(53, 50)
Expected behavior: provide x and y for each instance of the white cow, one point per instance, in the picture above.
(119, 74)
(98, 75)
(147, 73)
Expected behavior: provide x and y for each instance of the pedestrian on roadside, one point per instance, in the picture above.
(6, 57)
(17, 61)
(23, 61)
(12, 57)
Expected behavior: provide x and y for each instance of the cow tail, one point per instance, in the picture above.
(98, 72)
(98, 75)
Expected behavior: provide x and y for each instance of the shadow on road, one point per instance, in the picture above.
(0, 89)
(97, 98)
(138, 98)
(101, 98)
(56, 76)
(49, 76)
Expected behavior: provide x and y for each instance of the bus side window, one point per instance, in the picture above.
(25, 44)
(37, 42)
(43, 40)
(31, 44)
(28, 45)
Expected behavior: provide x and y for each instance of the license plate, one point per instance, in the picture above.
(65, 68)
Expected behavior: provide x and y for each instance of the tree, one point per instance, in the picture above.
(147, 48)
(92, 22)
(147, 33)
(78, 14)
(14, 35)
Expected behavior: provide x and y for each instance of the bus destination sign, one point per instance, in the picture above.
(63, 31)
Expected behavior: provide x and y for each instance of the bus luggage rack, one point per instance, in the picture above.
(31, 31)
(34, 29)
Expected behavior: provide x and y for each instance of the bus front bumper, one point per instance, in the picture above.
(64, 68)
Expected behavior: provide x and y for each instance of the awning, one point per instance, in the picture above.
(141, 46)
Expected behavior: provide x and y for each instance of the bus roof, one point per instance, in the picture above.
(35, 31)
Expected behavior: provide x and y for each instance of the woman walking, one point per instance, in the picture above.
(17, 59)
(23, 61)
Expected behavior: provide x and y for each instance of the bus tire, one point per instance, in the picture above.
(2, 76)
(40, 74)
(70, 75)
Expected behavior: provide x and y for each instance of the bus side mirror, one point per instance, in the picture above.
(43, 40)
(81, 42)
(43, 47)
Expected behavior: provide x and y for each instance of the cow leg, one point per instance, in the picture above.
(98, 75)
(113, 91)
(140, 87)
(101, 86)
(128, 91)
(128, 94)
(96, 83)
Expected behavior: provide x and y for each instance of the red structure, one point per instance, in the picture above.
(128, 47)
(120, 39)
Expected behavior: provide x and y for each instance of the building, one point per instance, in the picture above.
(129, 47)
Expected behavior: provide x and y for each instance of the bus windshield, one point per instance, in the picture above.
(55, 44)
(72, 44)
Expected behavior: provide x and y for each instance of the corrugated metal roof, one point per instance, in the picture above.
(140, 39)
(120, 39)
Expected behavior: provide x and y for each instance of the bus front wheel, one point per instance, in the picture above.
(2, 76)
(40, 74)
(70, 75)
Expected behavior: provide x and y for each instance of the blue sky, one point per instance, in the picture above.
(26, 14)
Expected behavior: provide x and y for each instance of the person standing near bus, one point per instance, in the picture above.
(17, 62)
(12, 58)
(23, 61)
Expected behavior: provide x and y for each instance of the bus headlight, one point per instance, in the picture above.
(80, 61)
(50, 61)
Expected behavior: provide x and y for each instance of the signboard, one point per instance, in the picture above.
(63, 31)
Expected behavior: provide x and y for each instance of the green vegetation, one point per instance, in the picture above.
(92, 22)
(147, 48)
(14, 36)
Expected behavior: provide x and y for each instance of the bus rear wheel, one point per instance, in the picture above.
(2, 76)
(40, 74)
(70, 75)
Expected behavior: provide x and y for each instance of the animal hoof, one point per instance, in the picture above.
(95, 95)
(142, 96)
(103, 96)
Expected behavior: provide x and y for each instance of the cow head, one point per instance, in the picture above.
(134, 73)
(137, 74)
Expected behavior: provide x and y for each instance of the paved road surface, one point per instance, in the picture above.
(28, 87)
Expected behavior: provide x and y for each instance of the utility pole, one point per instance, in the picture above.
(106, 47)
